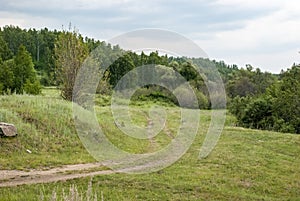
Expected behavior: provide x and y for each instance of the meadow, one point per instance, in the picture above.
(245, 165)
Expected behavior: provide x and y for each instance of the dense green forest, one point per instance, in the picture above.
(30, 59)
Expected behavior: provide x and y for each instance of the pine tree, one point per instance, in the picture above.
(6, 75)
(23, 70)
(5, 52)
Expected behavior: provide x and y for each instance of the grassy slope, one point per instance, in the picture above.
(245, 165)
(45, 127)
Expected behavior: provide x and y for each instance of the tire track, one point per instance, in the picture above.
(10, 178)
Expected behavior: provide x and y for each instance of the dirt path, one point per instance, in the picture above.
(16, 177)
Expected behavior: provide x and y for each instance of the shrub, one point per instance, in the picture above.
(203, 102)
(258, 114)
(32, 88)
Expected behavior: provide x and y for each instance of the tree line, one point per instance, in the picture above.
(276, 108)
(31, 58)
(17, 73)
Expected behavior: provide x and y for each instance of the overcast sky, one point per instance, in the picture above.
(263, 33)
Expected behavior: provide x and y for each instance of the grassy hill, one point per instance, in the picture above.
(245, 165)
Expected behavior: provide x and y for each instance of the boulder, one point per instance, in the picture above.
(8, 130)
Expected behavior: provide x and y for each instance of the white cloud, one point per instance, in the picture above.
(250, 4)
(157, 39)
(270, 42)
(69, 4)
(26, 21)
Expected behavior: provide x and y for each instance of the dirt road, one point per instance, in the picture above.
(16, 177)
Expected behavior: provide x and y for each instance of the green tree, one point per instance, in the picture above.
(70, 52)
(33, 88)
(277, 109)
(188, 71)
(5, 52)
(286, 95)
(23, 70)
(6, 75)
(258, 114)
(119, 68)
(154, 58)
(240, 86)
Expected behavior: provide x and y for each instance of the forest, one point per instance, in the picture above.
(32, 59)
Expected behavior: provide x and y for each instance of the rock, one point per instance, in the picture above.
(8, 130)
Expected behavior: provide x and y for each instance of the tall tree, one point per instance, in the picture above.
(5, 52)
(6, 75)
(23, 70)
(119, 68)
(286, 100)
(70, 52)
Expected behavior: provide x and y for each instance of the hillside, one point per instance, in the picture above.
(245, 165)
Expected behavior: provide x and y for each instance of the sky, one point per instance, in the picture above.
(263, 33)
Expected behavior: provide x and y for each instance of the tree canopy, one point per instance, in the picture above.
(278, 108)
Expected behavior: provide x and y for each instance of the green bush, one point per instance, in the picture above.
(186, 100)
(154, 93)
(258, 114)
(238, 105)
(203, 102)
(32, 88)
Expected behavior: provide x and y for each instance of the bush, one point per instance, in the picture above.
(185, 97)
(238, 105)
(282, 126)
(203, 102)
(154, 93)
(32, 88)
(258, 114)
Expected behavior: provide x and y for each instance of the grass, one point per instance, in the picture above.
(72, 194)
(45, 128)
(139, 117)
(245, 165)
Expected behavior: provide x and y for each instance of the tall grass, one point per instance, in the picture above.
(73, 193)
(45, 127)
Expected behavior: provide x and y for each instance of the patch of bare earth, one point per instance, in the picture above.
(16, 177)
